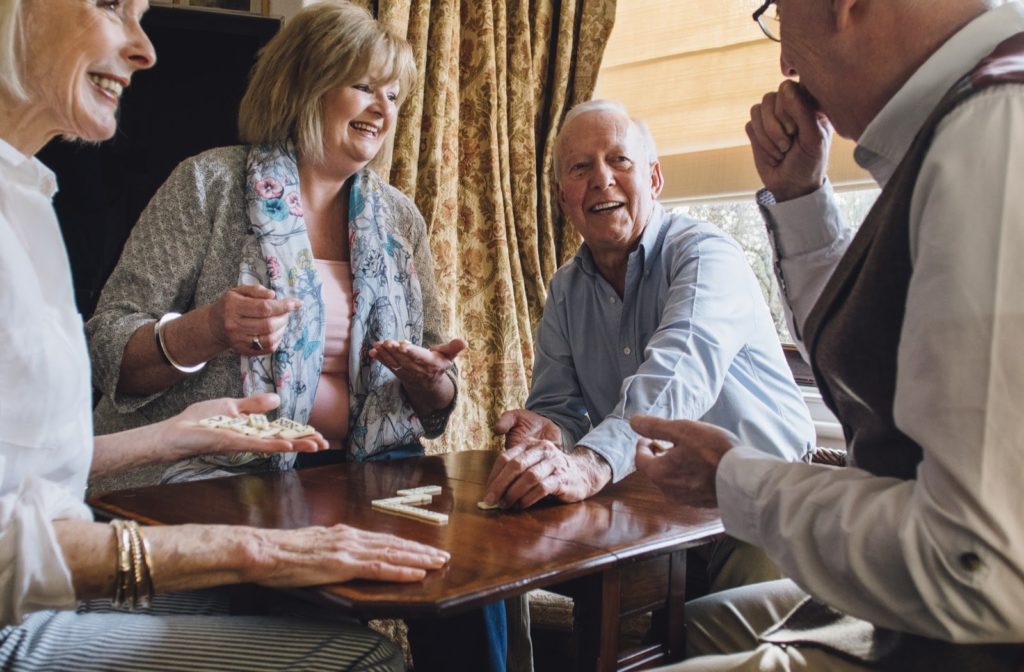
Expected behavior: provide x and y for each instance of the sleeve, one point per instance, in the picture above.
(33, 574)
(808, 238)
(434, 330)
(157, 273)
(555, 392)
(943, 555)
(705, 321)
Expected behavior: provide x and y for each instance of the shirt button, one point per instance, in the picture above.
(970, 561)
(611, 299)
(626, 350)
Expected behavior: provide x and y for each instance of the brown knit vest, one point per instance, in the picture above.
(853, 336)
(854, 329)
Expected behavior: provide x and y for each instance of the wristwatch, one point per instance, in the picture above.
(162, 348)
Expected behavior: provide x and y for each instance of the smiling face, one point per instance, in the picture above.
(80, 55)
(607, 184)
(357, 118)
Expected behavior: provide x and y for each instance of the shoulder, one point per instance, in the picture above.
(408, 220)
(566, 279)
(687, 239)
(403, 206)
(213, 172)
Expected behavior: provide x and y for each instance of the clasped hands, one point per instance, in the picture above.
(535, 466)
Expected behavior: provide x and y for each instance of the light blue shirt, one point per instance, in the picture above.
(691, 338)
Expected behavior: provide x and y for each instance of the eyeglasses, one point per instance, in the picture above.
(770, 24)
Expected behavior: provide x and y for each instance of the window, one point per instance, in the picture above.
(742, 220)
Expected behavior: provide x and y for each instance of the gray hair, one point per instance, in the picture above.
(12, 43)
(601, 105)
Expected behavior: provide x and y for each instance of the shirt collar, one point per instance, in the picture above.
(28, 170)
(888, 137)
(646, 248)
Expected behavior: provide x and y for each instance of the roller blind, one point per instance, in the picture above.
(692, 69)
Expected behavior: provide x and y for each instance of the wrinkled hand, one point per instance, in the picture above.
(250, 312)
(418, 369)
(790, 140)
(686, 471)
(526, 474)
(184, 437)
(313, 556)
(519, 424)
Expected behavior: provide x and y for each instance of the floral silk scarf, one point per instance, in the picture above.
(386, 294)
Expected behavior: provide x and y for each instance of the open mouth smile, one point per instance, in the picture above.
(606, 206)
(108, 85)
(365, 128)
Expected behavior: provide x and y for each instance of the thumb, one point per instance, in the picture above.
(656, 428)
(255, 291)
(259, 403)
(451, 349)
(643, 455)
(506, 422)
(797, 110)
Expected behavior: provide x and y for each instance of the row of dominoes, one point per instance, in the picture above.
(407, 501)
(259, 426)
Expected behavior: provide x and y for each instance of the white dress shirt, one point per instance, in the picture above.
(942, 555)
(45, 398)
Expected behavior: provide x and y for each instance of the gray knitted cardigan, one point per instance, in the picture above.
(184, 252)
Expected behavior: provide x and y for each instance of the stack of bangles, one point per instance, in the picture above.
(133, 582)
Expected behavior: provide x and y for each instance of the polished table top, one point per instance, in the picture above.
(495, 554)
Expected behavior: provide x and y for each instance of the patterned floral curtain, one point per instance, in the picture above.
(496, 78)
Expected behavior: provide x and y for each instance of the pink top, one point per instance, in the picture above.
(330, 406)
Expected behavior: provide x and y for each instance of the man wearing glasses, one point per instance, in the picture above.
(913, 557)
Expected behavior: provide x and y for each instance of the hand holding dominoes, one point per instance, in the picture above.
(256, 424)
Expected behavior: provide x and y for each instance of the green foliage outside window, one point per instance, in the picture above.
(742, 221)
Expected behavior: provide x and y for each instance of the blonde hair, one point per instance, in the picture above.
(12, 44)
(323, 47)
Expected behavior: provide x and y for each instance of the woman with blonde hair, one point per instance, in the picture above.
(53, 553)
(288, 265)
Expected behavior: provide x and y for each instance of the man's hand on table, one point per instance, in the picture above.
(520, 425)
(685, 471)
(537, 468)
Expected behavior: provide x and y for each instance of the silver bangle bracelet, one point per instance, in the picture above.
(161, 347)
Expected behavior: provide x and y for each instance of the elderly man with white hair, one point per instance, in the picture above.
(913, 557)
(656, 314)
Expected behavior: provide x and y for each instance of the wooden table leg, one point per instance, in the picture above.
(675, 637)
(596, 616)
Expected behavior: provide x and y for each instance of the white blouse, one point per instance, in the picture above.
(45, 398)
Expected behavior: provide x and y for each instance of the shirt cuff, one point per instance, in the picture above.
(615, 441)
(738, 483)
(801, 225)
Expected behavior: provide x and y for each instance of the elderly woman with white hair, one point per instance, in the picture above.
(54, 555)
(288, 265)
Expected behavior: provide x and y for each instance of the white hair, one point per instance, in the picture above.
(12, 40)
(601, 105)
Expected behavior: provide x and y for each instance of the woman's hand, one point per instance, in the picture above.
(419, 369)
(314, 556)
(249, 320)
(185, 437)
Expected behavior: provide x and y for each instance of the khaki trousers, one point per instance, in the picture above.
(722, 630)
(730, 563)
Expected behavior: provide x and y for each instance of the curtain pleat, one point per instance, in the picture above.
(471, 148)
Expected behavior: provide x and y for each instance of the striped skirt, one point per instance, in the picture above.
(191, 631)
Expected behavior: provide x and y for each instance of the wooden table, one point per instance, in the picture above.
(618, 553)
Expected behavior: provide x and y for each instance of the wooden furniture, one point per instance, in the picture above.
(620, 552)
